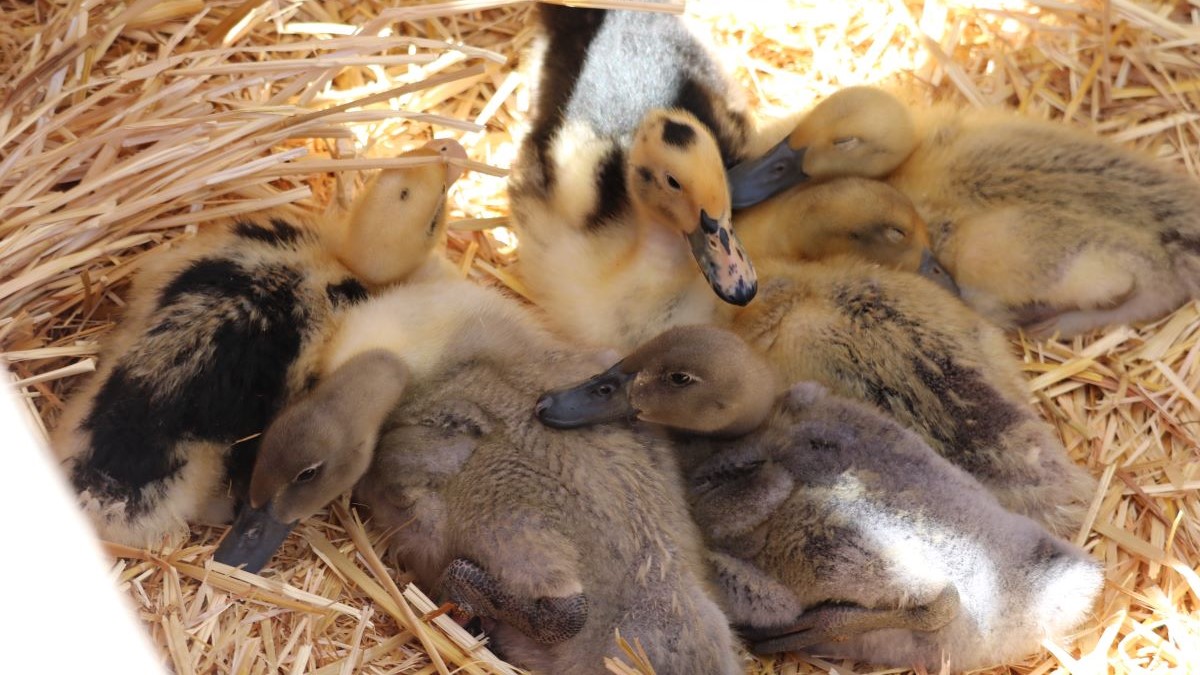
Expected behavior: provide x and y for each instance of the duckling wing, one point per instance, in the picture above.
(734, 493)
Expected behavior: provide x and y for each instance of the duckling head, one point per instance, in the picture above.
(399, 219)
(859, 217)
(858, 131)
(314, 450)
(698, 379)
(677, 178)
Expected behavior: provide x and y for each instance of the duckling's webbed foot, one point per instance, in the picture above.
(548, 620)
(838, 623)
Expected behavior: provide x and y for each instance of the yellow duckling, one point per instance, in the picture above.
(1043, 227)
(619, 188)
(218, 336)
(850, 216)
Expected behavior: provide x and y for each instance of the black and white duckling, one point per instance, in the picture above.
(860, 217)
(217, 336)
(1043, 227)
(492, 510)
(832, 528)
(619, 189)
(898, 342)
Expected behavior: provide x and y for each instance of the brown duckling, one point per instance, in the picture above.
(218, 335)
(491, 509)
(1043, 227)
(619, 188)
(832, 528)
(898, 342)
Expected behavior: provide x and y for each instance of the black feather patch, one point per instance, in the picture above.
(570, 33)
(281, 233)
(255, 323)
(1172, 237)
(612, 194)
(346, 292)
(678, 135)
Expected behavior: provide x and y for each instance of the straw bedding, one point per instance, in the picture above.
(126, 126)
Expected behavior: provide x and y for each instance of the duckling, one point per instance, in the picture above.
(833, 528)
(620, 184)
(217, 336)
(1043, 227)
(843, 216)
(896, 341)
(493, 510)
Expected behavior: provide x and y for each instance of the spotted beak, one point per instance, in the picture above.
(447, 149)
(754, 180)
(603, 398)
(723, 260)
(252, 539)
(931, 269)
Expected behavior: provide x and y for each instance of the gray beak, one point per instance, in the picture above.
(754, 180)
(252, 539)
(932, 270)
(603, 398)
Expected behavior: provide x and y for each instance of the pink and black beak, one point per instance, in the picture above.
(755, 180)
(723, 260)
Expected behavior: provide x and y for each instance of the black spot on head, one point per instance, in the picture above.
(612, 194)
(677, 134)
(346, 292)
(280, 233)
(645, 174)
(255, 324)
(697, 99)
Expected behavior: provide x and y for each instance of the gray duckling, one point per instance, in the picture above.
(832, 528)
(557, 548)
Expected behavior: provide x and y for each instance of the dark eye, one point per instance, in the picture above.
(680, 379)
(604, 390)
(404, 195)
(674, 184)
(307, 474)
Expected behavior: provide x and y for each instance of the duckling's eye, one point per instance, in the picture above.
(604, 390)
(404, 195)
(672, 183)
(307, 474)
(895, 234)
(680, 379)
(845, 143)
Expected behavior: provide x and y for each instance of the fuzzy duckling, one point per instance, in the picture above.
(559, 538)
(898, 342)
(832, 528)
(619, 184)
(219, 335)
(852, 216)
(1043, 227)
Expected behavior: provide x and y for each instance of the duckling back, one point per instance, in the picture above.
(899, 343)
(1050, 228)
(216, 337)
(878, 520)
(463, 464)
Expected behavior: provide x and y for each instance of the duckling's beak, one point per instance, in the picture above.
(723, 260)
(754, 180)
(931, 269)
(603, 398)
(449, 148)
(252, 539)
